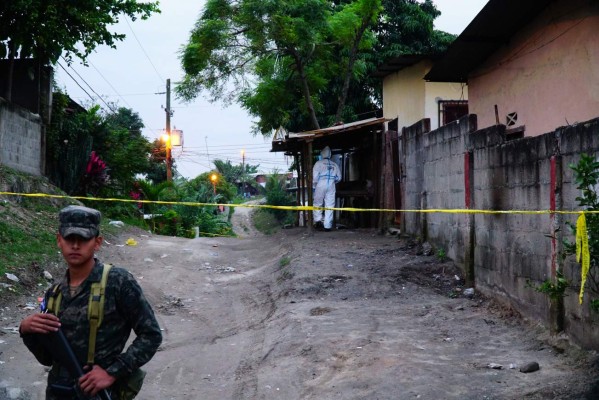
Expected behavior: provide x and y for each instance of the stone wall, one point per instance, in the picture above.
(21, 134)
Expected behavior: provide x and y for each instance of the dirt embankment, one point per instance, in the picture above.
(346, 314)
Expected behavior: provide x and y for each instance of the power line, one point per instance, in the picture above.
(75, 80)
(109, 84)
(144, 51)
(91, 88)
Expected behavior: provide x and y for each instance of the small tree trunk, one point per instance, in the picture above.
(11, 68)
(305, 89)
(350, 66)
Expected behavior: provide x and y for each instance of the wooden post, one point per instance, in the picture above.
(298, 194)
(308, 164)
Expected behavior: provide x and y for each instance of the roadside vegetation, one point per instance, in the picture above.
(28, 224)
(586, 175)
(270, 220)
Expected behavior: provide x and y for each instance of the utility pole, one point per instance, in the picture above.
(169, 160)
(243, 173)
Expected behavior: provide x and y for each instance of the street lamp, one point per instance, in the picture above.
(213, 179)
(166, 138)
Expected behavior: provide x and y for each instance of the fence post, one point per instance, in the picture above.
(469, 269)
(423, 218)
(556, 306)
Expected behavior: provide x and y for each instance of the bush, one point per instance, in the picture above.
(276, 195)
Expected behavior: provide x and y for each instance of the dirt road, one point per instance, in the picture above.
(333, 315)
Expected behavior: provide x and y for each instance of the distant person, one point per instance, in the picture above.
(65, 307)
(325, 175)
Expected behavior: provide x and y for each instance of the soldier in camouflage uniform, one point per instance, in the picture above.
(125, 309)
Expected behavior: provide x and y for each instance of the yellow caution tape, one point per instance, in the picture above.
(583, 256)
(582, 241)
(303, 208)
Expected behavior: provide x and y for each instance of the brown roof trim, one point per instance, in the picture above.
(492, 28)
(398, 63)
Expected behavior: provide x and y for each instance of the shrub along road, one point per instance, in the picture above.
(347, 314)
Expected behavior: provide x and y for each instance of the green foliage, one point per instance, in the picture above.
(156, 172)
(78, 140)
(48, 28)
(408, 27)
(276, 195)
(441, 255)
(304, 63)
(19, 247)
(180, 219)
(68, 143)
(586, 174)
(120, 143)
(114, 138)
(284, 261)
(554, 289)
(236, 175)
(265, 221)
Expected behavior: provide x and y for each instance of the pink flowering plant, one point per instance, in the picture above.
(96, 174)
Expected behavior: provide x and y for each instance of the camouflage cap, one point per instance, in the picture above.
(78, 220)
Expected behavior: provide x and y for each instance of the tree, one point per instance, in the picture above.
(120, 143)
(289, 45)
(157, 168)
(45, 29)
(300, 63)
(234, 173)
(115, 139)
(69, 143)
(407, 28)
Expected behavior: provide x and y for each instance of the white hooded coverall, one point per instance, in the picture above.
(325, 175)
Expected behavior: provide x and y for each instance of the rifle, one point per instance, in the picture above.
(62, 352)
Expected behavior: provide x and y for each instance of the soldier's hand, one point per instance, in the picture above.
(95, 380)
(40, 323)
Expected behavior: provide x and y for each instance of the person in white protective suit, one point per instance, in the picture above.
(325, 175)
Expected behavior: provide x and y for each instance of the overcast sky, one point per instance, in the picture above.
(134, 76)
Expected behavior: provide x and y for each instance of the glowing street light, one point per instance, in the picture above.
(213, 179)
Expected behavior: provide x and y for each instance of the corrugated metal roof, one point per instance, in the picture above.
(351, 126)
(492, 28)
(339, 136)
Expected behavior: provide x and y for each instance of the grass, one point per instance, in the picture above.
(21, 246)
(284, 261)
(266, 222)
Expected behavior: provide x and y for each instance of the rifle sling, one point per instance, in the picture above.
(95, 309)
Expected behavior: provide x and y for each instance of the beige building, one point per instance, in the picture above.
(409, 98)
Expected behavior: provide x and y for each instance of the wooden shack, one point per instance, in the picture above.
(364, 153)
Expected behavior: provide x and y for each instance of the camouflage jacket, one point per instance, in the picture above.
(125, 309)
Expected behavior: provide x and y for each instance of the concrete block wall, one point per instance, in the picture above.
(510, 250)
(444, 187)
(580, 322)
(20, 139)
(411, 156)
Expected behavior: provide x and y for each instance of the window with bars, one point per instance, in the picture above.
(451, 110)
